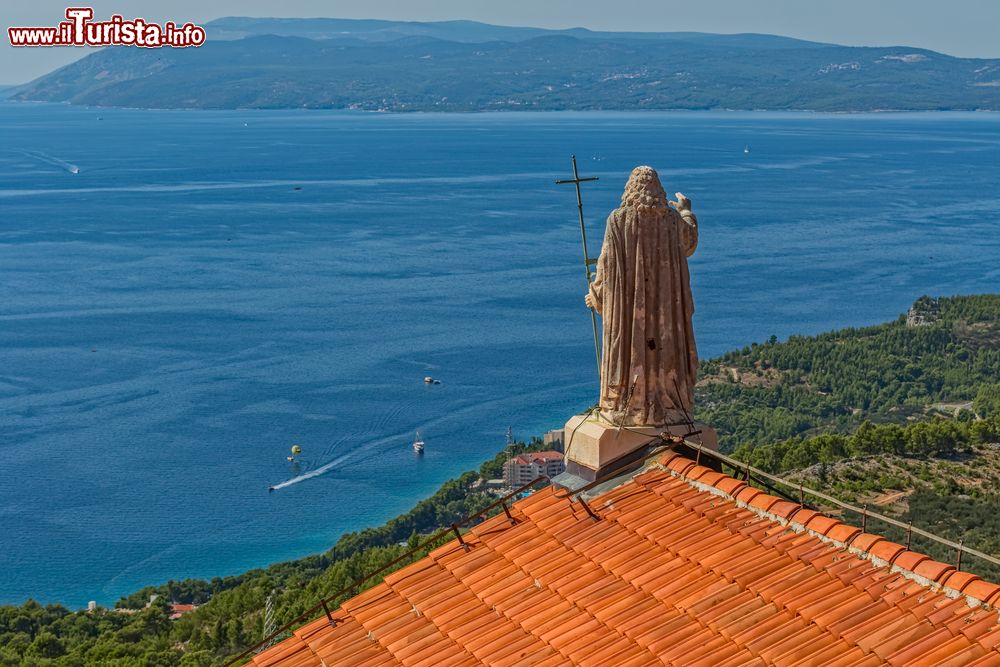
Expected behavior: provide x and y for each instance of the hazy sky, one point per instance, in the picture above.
(958, 27)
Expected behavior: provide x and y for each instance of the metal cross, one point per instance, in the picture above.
(587, 261)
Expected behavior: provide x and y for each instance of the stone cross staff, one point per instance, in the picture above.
(587, 261)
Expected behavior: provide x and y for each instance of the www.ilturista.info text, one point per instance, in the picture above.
(80, 30)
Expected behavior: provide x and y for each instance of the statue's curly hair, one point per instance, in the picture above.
(644, 191)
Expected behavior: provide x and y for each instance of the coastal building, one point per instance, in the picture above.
(523, 468)
(178, 610)
(672, 564)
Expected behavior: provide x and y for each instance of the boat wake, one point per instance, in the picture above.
(312, 473)
(366, 449)
(54, 161)
(340, 460)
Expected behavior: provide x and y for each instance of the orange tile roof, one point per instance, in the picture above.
(683, 566)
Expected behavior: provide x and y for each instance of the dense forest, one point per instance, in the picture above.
(903, 416)
(941, 357)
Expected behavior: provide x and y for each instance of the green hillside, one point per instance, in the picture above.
(945, 360)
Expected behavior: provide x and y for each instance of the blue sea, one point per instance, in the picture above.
(186, 294)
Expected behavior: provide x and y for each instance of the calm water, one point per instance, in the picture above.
(179, 313)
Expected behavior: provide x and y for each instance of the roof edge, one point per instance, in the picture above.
(881, 552)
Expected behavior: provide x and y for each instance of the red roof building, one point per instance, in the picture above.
(523, 468)
(178, 610)
(676, 565)
(538, 457)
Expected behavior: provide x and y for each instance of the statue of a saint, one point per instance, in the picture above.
(643, 293)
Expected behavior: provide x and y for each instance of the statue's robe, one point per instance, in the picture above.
(643, 293)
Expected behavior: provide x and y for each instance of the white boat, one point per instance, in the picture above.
(746, 149)
(418, 444)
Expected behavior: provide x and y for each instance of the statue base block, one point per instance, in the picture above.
(595, 446)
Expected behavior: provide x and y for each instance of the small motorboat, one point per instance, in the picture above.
(746, 149)
(430, 380)
(418, 444)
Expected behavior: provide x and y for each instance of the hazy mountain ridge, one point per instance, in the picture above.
(374, 30)
(466, 66)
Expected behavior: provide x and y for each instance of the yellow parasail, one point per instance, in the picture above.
(296, 450)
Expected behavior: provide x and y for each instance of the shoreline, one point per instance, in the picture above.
(531, 442)
(507, 110)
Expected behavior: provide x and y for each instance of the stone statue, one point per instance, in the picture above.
(642, 292)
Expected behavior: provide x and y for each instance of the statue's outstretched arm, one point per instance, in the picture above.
(690, 230)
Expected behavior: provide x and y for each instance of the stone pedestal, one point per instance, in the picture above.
(595, 446)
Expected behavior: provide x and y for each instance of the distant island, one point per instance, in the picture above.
(904, 416)
(463, 66)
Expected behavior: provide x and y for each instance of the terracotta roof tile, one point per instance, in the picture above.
(961, 658)
(909, 560)
(933, 570)
(991, 639)
(887, 551)
(747, 493)
(960, 580)
(923, 648)
(976, 624)
(991, 659)
(730, 485)
(764, 501)
(843, 533)
(805, 515)
(673, 572)
(680, 464)
(822, 524)
(981, 590)
(785, 509)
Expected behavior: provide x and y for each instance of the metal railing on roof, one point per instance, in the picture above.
(324, 602)
(749, 472)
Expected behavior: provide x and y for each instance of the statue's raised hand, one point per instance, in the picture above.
(682, 203)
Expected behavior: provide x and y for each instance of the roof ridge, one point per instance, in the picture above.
(880, 551)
